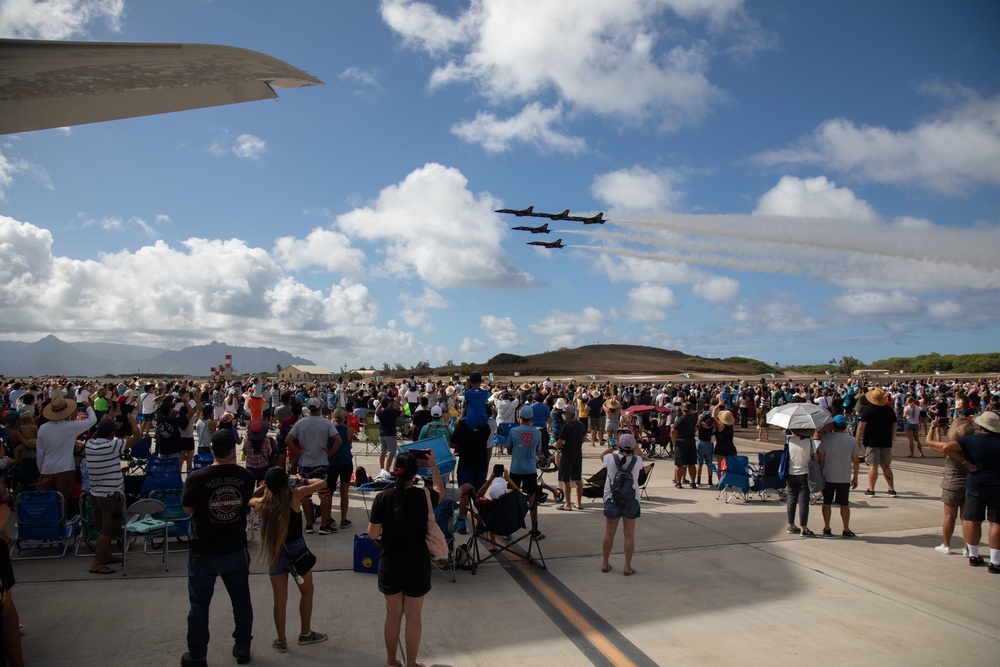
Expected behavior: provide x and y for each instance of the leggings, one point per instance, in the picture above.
(798, 493)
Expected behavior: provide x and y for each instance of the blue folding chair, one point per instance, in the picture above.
(735, 481)
(173, 513)
(42, 524)
(161, 474)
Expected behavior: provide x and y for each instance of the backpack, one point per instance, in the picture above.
(622, 490)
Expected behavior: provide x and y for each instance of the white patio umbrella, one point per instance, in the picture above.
(799, 415)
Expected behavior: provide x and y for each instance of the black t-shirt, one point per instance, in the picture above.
(387, 421)
(880, 425)
(572, 436)
(706, 431)
(168, 435)
(219, 495)
(595, 406)
(420, 418)
(685, 426)
(403, 540)
(470, 445)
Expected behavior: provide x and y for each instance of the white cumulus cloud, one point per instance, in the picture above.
(249, 147)
(325, 248)
(717, 289)
(638, 189)
(534, 125)
(57, 19)
(502, 332)
(814, 198)
(561, 329)
(648, 302)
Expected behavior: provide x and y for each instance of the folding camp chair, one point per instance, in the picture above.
(735, 479)
(372, 443)
(503, 516)
(766, 482)
(138, 456)
(593, 486)
(201, 461)
(41, 523)
(444, 515)
(161, 474)
(173, 514)
(644, 475)
(139, 522)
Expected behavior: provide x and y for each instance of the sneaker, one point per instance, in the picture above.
(976, 561)
(793, 530)
(328, 529)
(308, 530)
(188, 661)
(693, 485)
(242, 657)
(346, 523)
(807, 533)
(891, 493)
(849, 533)
(538, 535)
(869, 493)
(678, 485)
(827, 532)
(943, 549)
(993, 569)
(279, 646)
(312, 638)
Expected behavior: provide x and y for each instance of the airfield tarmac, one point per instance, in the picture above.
(716, 584)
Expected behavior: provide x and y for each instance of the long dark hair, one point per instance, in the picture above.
(404, 469)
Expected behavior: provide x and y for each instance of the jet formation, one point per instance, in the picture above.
(544, 229)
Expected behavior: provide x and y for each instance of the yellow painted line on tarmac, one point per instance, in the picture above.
(590, 633)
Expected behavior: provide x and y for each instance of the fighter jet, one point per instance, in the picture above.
(542, 229)
(592, 220)
(553, 244)
(518, 212)
(554, 216)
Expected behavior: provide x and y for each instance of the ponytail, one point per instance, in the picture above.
(404, 471)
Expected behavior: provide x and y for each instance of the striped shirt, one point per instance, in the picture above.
(104, 465)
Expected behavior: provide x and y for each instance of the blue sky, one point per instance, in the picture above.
(788, 181)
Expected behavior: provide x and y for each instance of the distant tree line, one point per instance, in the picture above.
(946, 363)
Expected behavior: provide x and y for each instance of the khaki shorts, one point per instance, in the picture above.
(63, 482)
(875, 456)
(109, 514)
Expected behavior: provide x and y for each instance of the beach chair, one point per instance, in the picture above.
(174, 514)
(766, 482)
(138, 456)
(41, 525)
(735, 479)
(501, 517)
(161, 474)
(201, 461)
(644, 475)
(372, 445)
(139, 522)
(593, 486)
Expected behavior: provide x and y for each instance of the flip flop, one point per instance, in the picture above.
(630, 572)
(579, 507)
(103, 570)
(563, 508)
(606, 568)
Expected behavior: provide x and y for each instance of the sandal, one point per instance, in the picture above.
(629, 572)
(807, 533)
(563, 508)
(606, 568)
(849, 533)
(104, 569)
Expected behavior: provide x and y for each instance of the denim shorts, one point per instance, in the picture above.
(282, 566)
(612, 511)
(704, 453)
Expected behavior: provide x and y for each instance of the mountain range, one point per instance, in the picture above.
(52, 356)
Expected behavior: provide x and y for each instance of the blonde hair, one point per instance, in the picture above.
(273, 511)
(340, 414)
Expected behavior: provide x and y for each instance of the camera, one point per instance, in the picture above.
(293, 481)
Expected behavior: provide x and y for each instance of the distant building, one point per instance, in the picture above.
(299, 373)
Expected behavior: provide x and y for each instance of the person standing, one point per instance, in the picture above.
(341, 462)
(800, 453)
(570, 446)
(107, 487)
(399, 517)
(217, 498)
(55, 445)
(952, 481)
(629, 511)
(525, 442)
(315, 434)
(911, 425)
(839, 459)
(387, 414)
(685, 449)
(278, 503)
(876, 430)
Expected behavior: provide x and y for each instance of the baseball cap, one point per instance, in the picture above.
(570, 410)
(436, 411)
(314, 402)
(527, 412)
(840, 421)
(626, 441)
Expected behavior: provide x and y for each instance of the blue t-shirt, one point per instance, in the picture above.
(475, 407)
(539, 415)
(983, 449)
(525, 442)
(343, 453)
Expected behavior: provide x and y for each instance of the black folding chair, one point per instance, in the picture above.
(503, 516)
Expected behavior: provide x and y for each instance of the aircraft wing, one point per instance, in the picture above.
(46, 84)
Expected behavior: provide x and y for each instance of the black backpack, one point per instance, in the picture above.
(622, 489)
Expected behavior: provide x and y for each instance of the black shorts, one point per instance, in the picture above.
(836, 492)
(528, 483)
(412, 579)
(685, 454)
(342, 471)
(187, 444)
(979, 506)
(570, 470)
